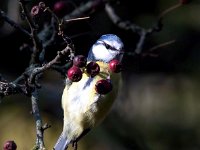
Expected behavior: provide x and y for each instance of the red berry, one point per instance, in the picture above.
(74, 74)
(115, 66)
(62, 7)
(35, 10)
(10, 145)
(103, 86)
(80, 61)
(184, 1)
(92, 68)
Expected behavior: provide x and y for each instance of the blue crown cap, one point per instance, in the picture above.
(110, 37)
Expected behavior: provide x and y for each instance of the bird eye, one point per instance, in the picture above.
(107, 46)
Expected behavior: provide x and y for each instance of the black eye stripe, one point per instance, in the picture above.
(108, 46)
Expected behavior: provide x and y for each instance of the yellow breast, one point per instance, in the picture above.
(82, 104)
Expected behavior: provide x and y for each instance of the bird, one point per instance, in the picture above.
(83, 107)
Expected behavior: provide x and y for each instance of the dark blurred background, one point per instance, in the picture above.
(158, 106)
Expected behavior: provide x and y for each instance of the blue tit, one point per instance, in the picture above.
(83, 107)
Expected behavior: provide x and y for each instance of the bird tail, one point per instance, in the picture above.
(62, 143)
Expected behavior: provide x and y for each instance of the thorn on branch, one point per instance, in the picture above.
(151, 50)
(89, 6)
(77, 19)
(161, 45)
(169, 10)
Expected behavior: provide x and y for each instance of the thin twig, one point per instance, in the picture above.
(140, 43)
(123, 24)
(77, 19)
(35, 59)
(48, 30)
(143, 33)
(13, 24)
(36, 41)
(161, 45)
(82, 9)
(168, 10)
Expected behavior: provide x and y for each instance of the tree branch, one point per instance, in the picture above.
(13, 24)
(127, 25)
(89, 6)
(38, 120)
(68, 51)
(38, 47)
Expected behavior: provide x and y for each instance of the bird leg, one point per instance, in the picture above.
(75, 142)
(75, 145)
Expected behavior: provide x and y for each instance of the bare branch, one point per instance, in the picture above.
(13, 24)
(126, 25)
(169, 10)
(11, 88)
(8, 89)
(161, 45)
(140, 44)
(82, 9)
(38, 120)
(65, 53)
(38, 47)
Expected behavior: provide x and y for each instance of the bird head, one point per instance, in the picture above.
(106, 48)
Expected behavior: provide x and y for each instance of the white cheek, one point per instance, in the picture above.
(101, 53)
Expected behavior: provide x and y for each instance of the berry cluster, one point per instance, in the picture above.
(80, 65)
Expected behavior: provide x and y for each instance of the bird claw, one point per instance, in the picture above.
(75, 145)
